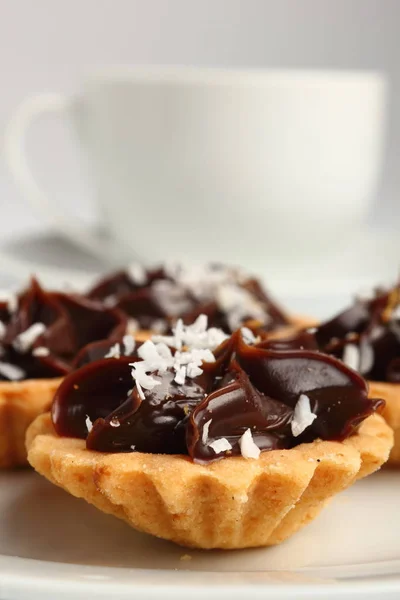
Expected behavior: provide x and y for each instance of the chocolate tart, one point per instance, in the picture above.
(153, 299)
(41, 332)
(366, 336)
(229, 455)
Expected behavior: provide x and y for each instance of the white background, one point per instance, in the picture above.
(48, 45)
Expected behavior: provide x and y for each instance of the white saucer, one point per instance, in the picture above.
(55, 546)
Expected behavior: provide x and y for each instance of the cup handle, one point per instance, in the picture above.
(23, 117)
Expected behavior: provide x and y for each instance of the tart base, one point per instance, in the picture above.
(20, 403)
(232, 503)
(390, 392)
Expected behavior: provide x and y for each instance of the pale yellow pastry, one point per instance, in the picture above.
(390, 392)
(231, 503)
(20, 403)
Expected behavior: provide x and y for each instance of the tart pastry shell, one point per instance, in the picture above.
(231, 503)
(390, 392)
(20, 403)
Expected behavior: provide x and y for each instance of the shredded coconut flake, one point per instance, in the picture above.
(11, 372)
(157, 356)
(137, 274)
(24, 341)
(239, 304)
(221, 445)
(110, 301)
(367, 357)
(115, 423)
(129, 344)
(248, 447)
(2, 330)
(11, 300)
(140, 391)
(311, 330)
(114, 352)
(40, 351)
(133, 326)
(204, 435)
(180, 375)
(351, 356)
(302, 416)
(89, 423)
(248, 335)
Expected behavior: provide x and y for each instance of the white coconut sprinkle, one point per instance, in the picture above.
(367, 357)
(110, 301)
(204, 435)
(159, 326)
(114, 352)
(312, 330)
(140, 391)
(11, 372)
(3, 330)
(221, 445)
(302, 416)
(137, 274)
(351, 356)
(157, 356)
(24, 341)
(193, 336)
(129, 344)
(132, 326)
(395, 313)
(11, 300)
(89, 423)
(248, 447)
(40, 351)
(115, 423)
(239, 304)
(248, 336)
(180, 375)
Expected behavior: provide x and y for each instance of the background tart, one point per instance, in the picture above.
(390, 392)
(231, 503)
(20, 403)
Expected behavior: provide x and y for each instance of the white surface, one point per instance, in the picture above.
(53, 545)
(202, 158)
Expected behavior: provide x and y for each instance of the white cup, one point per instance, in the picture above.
(256, 167)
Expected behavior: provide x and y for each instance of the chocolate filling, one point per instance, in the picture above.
(48, 329)
(247, 387)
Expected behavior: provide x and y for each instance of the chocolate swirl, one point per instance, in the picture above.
(247, 388)
(46, 330)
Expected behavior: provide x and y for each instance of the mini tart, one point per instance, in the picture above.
(20, 403)
(231, 503)
(390, 392)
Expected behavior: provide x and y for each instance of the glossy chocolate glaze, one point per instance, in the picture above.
(70, 322)
(247, 387)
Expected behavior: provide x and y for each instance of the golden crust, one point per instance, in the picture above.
(232, 503)
(390, 392)
(20, 403)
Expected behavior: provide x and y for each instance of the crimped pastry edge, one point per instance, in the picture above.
(232, 503)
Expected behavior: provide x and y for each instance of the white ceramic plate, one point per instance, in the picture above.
(55, 546)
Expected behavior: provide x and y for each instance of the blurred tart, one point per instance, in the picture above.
(366, 337)
(154, 299)
(211, 441)
(40, 334)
